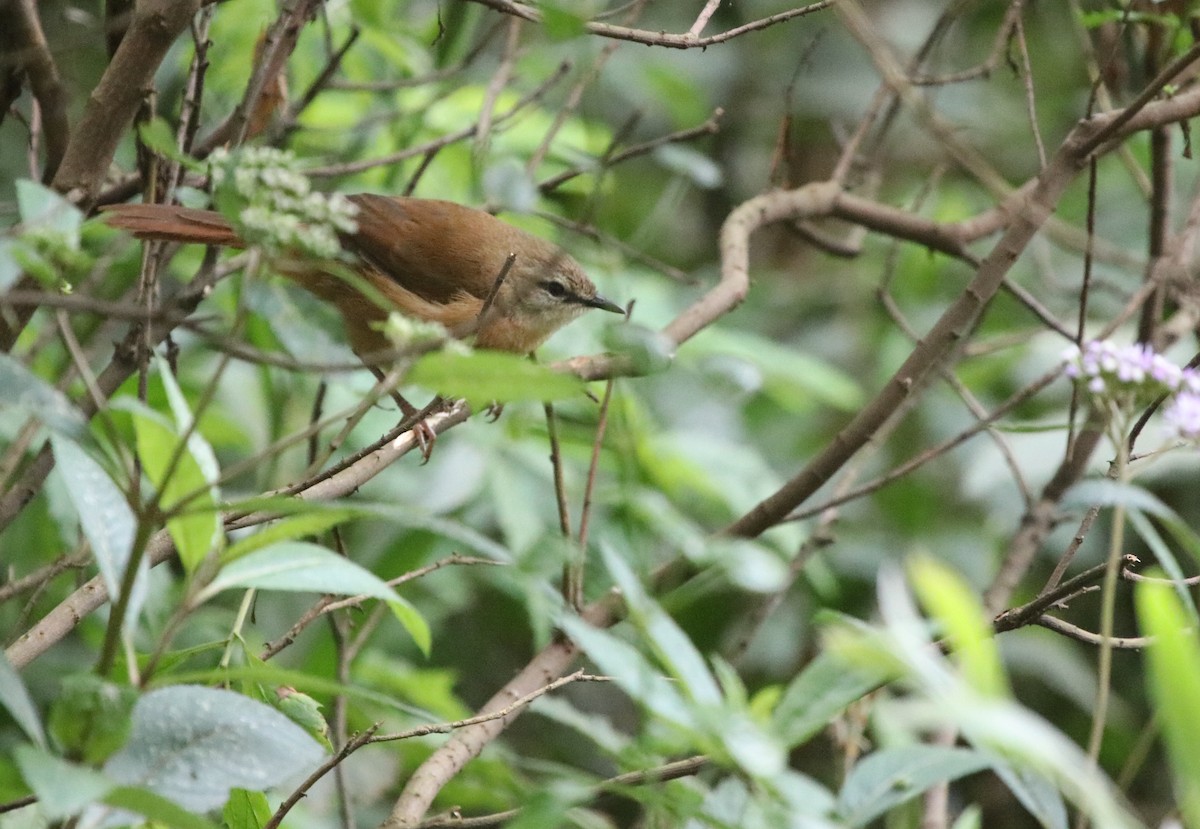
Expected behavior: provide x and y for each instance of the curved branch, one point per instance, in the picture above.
(687, 40)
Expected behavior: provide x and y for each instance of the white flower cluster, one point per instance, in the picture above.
(1133, 373)
(404, 331)
(281, 211)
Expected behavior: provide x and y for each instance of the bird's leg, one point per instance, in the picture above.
(414, 418)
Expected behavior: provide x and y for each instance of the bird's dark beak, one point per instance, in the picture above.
(603, 304)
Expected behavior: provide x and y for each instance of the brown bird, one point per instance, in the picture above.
(433, 260)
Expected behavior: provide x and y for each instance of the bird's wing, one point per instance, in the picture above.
(438, 251)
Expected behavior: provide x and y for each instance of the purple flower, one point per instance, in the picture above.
(1130, 370)
(1181, 418)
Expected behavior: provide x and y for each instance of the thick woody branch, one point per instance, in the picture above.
(26, 53)
(115, 100)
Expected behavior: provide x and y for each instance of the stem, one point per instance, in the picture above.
(112, 636)
(1108, 609)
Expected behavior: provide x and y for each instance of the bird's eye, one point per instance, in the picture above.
(555, 289)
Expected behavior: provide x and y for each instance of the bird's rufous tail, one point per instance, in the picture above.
(172, 223)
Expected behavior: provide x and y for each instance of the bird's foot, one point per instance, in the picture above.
(416, 421)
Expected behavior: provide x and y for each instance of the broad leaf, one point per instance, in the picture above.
(63, 789)
(299, 566)
(484, 377)
(22, 389)
(15, 699)
(822, 691)
(887, 778)
(192, 745)
(106, 519)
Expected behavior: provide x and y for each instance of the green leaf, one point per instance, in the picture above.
(22, 389)
(10, 268)
(43, 207)
(631, 671)
(794, 379)
(302, 567)
(107, 521)
(563, 21)
(158, 136)
(649, 350)
(1164, 555)
(822, 691)
(196, 528)
(305, 712)
(760, 754)
(15, 699)
(89, 719)
(63, 789)
(484, 377)
(315, 522)
(1173, 659)
(1105, 492)
(671, 645)
(246, 810)
(1037, 793)
(192, 745)
(696, 166)
(891, 776)
(184, 420)
(158, 809)
(948, 598)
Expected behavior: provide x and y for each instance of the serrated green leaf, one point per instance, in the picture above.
(305, 712)
(484, 377)
(184, 420)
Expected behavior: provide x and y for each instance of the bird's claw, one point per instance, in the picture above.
(425, 437)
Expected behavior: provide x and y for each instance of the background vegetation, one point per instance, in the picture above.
(852, 550)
